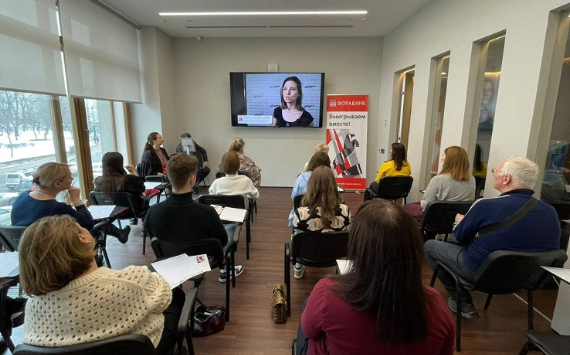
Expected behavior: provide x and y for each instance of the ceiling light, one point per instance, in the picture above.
(443, 73)
(263, 13)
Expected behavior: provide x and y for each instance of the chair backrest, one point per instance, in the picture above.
(220, 174)
(297, 201)
(10, 236)
(479, 186)
(319, 249)
(209, 246)
(505, 272)
(235, 201)
(394, 187)
(123, 199)
(121, 345)
(439, 216)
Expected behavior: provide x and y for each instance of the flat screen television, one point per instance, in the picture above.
(277, 99)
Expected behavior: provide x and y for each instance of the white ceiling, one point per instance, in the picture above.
(383, 16)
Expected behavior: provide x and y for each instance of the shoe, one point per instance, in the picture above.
(133, 221)
(124, 237)
(3, 346)
(468, 310)
(298, 274)
(239, 271)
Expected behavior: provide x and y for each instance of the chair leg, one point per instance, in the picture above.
(288, 278)
(8, 340)
(104, 250)
(434, 276)
(227, 292)
(488, 301)
(458, 318)
(247, 238)
(528, 346)
(233, 268)
(530, 309)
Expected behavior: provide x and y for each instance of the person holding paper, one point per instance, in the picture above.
(381, 305)
(233, 183)
(73, 301)
(205, 170)
(179, 218)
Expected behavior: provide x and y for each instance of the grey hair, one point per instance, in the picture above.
(523, 171)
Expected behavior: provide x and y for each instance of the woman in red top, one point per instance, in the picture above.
(381, 305)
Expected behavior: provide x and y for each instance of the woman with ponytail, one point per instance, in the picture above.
(154, 157)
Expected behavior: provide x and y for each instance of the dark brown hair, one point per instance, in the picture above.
(230, 163)
(149, 140)
(399, 155)
(456, 163)
(179, 168)
(385, 281)
(322, 192)
(114, 176)
(319, 159)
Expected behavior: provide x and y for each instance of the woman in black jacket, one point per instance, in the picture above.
(154, 157)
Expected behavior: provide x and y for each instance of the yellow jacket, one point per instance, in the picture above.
(389, 169)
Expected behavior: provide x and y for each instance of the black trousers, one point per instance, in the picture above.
(171, 317)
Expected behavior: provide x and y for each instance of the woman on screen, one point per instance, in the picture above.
(291, 112)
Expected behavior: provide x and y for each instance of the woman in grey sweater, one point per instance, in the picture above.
(453, 183)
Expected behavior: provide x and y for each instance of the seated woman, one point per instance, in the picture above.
(381, 305)
(232, 183)
(320, 158)
(73, 301)
(115, 179)
(154, 157)
(453, 183)
(321, 210)
(396, 166)
(50, 179)
(479, 167)
(321, 147)
(246, 164)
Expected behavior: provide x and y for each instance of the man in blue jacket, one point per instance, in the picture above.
(538, 230)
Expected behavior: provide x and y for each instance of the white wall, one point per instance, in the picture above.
(202, 95)
(451, 25)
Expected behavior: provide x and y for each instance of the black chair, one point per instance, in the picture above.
(314, 249)
(393, 188)
(549, 343)
(124, 199)
(234, 201)
(125, 344)
(479, 186)
(10, 236)
(504, 272)
(297, 201)
(217, 256)
(563, 212)
(6, 328)
(439, 217)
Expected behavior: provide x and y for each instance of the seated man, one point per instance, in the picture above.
(205, 170)
(179, 218)
(536, 231)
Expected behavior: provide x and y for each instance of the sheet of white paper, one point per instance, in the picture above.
(218, 209)
(233, 214)
(343, 265)
(564, 274)
(101, 211)
(151, 185)
(178, 269)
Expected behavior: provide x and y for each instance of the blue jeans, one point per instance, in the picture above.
(451, 255)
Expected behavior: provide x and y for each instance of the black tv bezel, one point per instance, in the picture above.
(232, 98)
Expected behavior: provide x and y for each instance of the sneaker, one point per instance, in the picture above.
(223, 278)
(133, 221)
(299, 272)
(468, 310)
(124, 237)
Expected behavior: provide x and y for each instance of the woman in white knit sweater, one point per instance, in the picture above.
(232, 183)
(72, 301)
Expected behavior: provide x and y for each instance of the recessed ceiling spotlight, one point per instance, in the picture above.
(443, 73)
(264, 13)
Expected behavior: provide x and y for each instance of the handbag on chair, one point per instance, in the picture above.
(279, 305)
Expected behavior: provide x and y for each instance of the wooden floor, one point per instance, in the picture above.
(251, 331)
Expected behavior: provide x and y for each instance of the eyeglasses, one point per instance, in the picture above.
(495, 170)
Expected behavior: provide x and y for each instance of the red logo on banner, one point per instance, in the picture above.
(344, 103)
